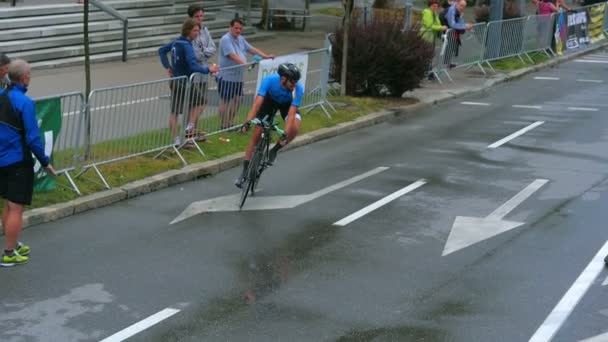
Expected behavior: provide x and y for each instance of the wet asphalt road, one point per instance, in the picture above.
(291, 274)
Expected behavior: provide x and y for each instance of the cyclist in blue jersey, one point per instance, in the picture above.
(278, 92)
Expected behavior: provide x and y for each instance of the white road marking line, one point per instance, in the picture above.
(590, 81)
(141, 325)
(516, 134)
(564, 308)
(475, 103)
(598, 338)
(590, 61)
(526, 106)
(516, 200)
(546, 78)
(358, 214)
(583, 109)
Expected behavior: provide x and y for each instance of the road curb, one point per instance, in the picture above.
(195, 171)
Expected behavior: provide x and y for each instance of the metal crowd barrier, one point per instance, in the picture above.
(464, 49)
(514, 38)
(131, 120)
(538, 34)
(68, 145)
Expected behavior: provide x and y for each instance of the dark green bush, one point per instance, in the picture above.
(382, 60)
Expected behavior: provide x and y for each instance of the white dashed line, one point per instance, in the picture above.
(590, 81)
(590, 61)
(475, 103)
(141, 325)
(564, 308)
(583, 109)
(356, 215)
(526, 106)
(546, 78)
(516, 134)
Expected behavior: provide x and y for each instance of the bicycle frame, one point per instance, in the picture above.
(259, 160)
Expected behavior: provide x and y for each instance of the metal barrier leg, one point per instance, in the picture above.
(530, 58)
(105, 183)
(522, 60)
(72, 183)
(94, 167)
(490, 66)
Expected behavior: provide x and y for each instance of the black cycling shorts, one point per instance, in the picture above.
(270, 107)
(17, 182)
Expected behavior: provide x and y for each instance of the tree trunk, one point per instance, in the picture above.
(87, 76)
(348, 10)
(262, 23)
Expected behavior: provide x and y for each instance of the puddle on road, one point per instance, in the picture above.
(49, 320)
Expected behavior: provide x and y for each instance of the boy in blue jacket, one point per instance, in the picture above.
(183, 63)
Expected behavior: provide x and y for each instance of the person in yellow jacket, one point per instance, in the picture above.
(431, 25)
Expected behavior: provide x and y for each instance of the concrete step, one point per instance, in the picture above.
(23, 35)
(50, 20)
(146, 41)
(67, 29)
(11, 46)
(114, 56)
(74, 8)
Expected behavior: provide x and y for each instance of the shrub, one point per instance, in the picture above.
(382, 60)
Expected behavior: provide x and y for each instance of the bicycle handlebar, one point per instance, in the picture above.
(265, 124)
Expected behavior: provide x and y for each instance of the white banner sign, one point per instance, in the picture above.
(269, 66)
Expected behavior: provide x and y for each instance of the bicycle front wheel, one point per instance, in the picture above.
(250, 178)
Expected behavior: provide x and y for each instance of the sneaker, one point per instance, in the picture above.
(239, 182)
(189, 128)
(13, 260)
(177, 141)
(272, 156)
(22, 249)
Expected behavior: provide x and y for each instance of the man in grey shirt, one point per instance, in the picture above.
(204, 50)
(233, 54)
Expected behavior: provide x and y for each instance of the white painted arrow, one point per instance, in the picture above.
(229, 203)
(470, 230)
(598, 338)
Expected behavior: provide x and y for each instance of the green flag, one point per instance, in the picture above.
(48, 114)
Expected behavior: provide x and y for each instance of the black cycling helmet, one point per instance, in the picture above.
(290, 72)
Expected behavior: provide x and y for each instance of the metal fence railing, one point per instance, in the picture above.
(552, 35)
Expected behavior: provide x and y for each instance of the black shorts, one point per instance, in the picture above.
(228, 89)
(270, 107)
(17, 183)
(198, 94)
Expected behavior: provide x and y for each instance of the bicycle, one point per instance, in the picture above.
(259, 159)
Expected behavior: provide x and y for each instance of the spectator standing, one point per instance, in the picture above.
(19, 138)
(431, 25)
(233, 52)
(183, 63)
(204, 50)
(454, 18)
(4, 62)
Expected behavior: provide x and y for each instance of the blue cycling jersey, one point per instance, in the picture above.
(271, 85)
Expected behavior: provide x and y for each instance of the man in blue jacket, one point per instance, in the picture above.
(183, 63)
(19, 138)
